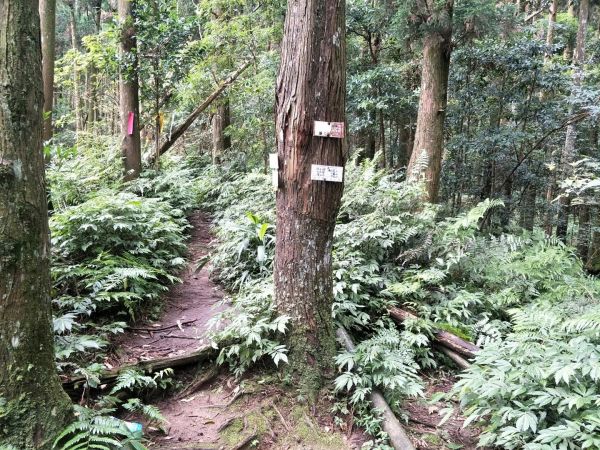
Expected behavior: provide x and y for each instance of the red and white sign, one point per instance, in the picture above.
(330, 129)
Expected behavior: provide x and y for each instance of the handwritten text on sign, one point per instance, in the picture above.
(326, 173)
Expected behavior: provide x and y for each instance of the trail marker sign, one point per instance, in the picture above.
(329, 129)
(327, 173)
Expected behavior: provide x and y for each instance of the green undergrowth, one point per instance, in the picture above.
(116, 247)
(523, 297)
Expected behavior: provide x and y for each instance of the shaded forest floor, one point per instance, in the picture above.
(259, 411)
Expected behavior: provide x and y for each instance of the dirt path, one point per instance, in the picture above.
(188, 308)
(256, 412)
(224, 413)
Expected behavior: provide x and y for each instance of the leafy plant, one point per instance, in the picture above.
(250, 329)
(245, 251)
(383, 361)
(92, 429)
(538, 388)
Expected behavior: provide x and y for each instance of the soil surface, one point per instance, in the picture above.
(424, 418)
(188, 308)
(209, 409)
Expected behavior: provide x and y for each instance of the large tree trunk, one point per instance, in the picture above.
(48, 30)
(311, 86)
(426, 159)
(568, 153)
(37, 408)
(129, 95)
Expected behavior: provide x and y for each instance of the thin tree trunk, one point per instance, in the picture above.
(528, 207)
(75, 46)
(584, 233)
(48, 31)
(506, 212)
(382, 148)
(36, 407)
(226, 114)
(92, 109)
(218, 144)
(221, 119)
(426, 159)
(568, 153)
(129, 95)
(551, 29)
(593, 262)
(311, 86)
(572, 11)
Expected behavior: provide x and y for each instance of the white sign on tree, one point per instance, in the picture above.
(327, 173)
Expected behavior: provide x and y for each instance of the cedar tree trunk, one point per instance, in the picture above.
(129, 94)
(48, 29)
(426, 159)
(568, 153)
(33, 405)
(311, 86)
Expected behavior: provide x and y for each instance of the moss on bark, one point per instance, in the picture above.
(33, 406)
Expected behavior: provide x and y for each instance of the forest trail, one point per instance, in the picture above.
(189, 306)
(221, 412)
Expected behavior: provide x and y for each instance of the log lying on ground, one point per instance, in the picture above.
(455, 357)
(203, 354)
(194, 115)
(443, 338)
(391, 425)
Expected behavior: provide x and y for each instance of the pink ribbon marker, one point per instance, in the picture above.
(130, 123)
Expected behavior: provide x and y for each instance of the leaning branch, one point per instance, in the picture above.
(391, 425)
(194, 115)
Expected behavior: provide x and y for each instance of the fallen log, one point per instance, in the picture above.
(203, 354)
(178, 132)
(391, 425)
(455, 357)
(442, 337)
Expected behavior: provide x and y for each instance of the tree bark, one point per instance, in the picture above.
(129, 94)
(36, 407)
(426, 159)
(593, 262)
(584, 233)
(203, 354)
(221, 142)
(442, 337)
(311, 86)
(48, 31)
(553, 9)
(390, 423)
(568, 153)
(75, 47)
(528, 207)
